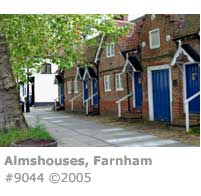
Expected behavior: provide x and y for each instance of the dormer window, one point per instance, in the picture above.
(154, 39)
(110, 50)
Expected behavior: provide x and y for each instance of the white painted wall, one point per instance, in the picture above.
(45, 89)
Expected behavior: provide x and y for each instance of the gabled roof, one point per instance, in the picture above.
(181, 25)
(186, 50)
(132, 39)
(91, 50)
(80, 72)
(187, 24)
(132, 60)
(89, 71)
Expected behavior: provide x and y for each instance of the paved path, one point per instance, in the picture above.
(73, 131)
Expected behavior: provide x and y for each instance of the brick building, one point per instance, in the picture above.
(149, 73)
(118, 61)
(81, 82)
(163, 79)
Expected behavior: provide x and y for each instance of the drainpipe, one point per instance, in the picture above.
(96, 62)
(98, 81)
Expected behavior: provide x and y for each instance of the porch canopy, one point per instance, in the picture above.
(185, 53)
(194, 55)
(83, 72)
(90, 73)
(79, 73)
(185, 50)
(132, 63)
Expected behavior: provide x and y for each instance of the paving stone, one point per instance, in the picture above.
(71, 131)
(151, 143)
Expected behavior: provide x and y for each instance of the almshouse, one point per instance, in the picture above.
(152, 72)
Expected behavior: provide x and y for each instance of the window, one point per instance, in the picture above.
(118, 82)
(69, 87)
(154, 38)
(110, 50)
(75, 87)
(47, 69)
(107, 83)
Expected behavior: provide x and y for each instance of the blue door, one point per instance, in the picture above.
(62, 94)
(95, 90)
(138, 89)
(161, 95)
(85, 90)
(193, 86)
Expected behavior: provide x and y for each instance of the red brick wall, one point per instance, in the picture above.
(149, 57)
(177, 95)
(154, 57)
(111, 66)
(166, 48)
(162, 56)
(178, 91)
(69, 75)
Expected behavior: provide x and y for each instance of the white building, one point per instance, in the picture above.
(42, 88)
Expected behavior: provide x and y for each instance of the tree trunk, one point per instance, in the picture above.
(10, 111)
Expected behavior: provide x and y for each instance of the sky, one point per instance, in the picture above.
(134, 16)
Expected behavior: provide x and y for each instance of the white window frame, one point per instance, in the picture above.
(110, 50)
(118, 79)
(68, 85)
(75, 86)
(107, 83)
(150, 39)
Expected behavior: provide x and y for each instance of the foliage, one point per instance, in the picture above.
(195, 130)
(61, 38)
(38, 132)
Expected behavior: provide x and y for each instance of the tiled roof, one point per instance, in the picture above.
(185, 24)
(90, 51)
(131, 40)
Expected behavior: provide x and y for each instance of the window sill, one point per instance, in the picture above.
(119, 89)
(108, 90)
(110, 56)
(154, 47)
